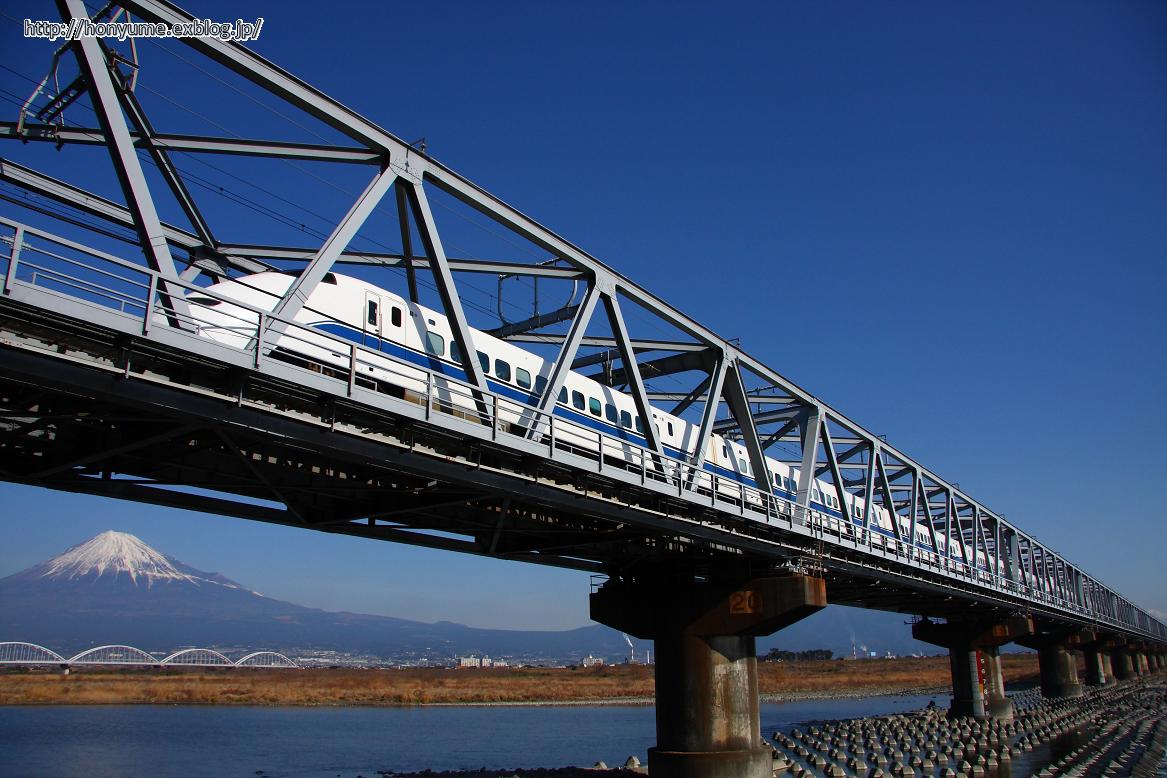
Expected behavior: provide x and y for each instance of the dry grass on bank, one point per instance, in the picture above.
(244, 686)
(470, 686)
(835, 676)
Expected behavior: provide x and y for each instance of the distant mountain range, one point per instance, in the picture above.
(116, 589)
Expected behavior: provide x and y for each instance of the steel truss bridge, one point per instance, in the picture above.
(108, 387)
(17, 653)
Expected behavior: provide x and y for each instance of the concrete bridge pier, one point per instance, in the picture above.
(1098, 665)
(1056, 660)
(1124, 665)
(708, 723)
(1108, 667)
(1137, 657)
(974, 651)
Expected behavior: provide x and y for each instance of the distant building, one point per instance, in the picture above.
(482, 661)
(592, 661)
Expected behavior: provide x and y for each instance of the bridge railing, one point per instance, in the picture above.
(145, 299)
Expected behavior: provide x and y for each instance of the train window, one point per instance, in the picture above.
(670, 426)
(502, 369)
(611, 414)
(724, 453)
(625, 419)
(394, 315)
(594, 406)
(577, 400)
(522, 378)
(563, 395)
(639, 425)
(484, 361)
(777, 480)
(540, 385)
(371, 313)
(435, 344)
(455, 352)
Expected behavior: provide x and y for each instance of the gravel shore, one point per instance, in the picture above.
(558, 772)
(856, 692)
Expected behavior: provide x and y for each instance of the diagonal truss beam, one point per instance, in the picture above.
(107, 453)
(698, 390)
(128, 167)
(631, 369)
(738, 401)
(249, 463)
(869, 486)
(919, 493)
(809, 425)
(447, 291)
(165, 166)
(305, 284)
(785, 428)
(716, 383)
(836, 474)
(406, 239)
(567, 351)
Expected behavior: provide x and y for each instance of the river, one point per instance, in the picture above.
(178, 740)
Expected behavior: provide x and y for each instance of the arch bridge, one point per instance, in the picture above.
(20, 653)
(148, 358)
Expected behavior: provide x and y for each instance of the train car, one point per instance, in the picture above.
(402, 344)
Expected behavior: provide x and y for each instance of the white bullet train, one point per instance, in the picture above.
(384, 323)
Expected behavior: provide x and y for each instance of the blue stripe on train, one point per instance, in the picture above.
(451, 370)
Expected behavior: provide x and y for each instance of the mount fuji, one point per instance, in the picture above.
(116, 589)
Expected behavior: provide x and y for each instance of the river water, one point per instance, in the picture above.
(162, 741)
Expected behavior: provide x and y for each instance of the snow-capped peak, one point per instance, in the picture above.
(115, 553)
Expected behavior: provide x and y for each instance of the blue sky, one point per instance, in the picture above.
(949, 221)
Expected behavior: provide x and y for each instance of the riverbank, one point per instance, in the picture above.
(618, 684)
